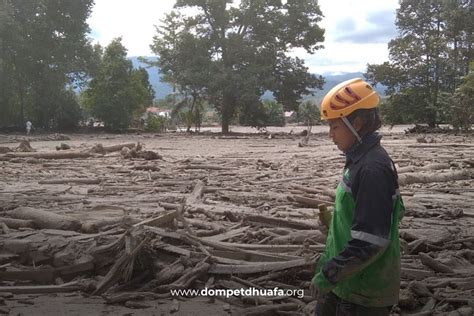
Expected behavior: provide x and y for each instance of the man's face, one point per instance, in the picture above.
(341, 135)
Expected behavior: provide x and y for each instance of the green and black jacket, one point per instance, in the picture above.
(361, 261)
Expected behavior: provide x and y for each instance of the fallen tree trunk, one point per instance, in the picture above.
(97, 225)
(323, 191)
(45, 219)
(191, 275)
(17, 223)
(271, 248)
(50, 155)
(70, 180)
(278, 222)
(41, 289)
(259, 267)
(311, 202)
(206, 167)
(160, 220)
(298, 237)
(100, 149)
(419, 177)
(196, 195)
(434, 264)
(122, 269)
(228, 234)
(280, 180)
(170, 272)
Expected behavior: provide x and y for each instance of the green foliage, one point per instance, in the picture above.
(275, 113)
(44, 51)
(395, 112)
(427, 58)
(156, 123)
(230, 54)
(462, 104)
(308, 113)
(68, 113)
(167, 102)
(254, 115)
(117, 92)
(188, 111)
(263, 114)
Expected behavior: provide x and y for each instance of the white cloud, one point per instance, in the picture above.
(355, 30)
(133, 20)
(344, 57)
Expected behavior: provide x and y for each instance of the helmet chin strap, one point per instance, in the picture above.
(351, 128)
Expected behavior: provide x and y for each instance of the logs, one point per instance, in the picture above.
(419, 177)
(45, 219)
(50, 155)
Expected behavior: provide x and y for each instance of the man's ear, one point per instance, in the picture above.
(358, 123)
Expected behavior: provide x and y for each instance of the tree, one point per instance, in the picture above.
(308, 113)
(117, 91)
(43, 51)
(231, 54)
(140, 81)
(462, 104)
(427, 58)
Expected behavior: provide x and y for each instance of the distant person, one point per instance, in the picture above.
(29, 126)
(359, 271)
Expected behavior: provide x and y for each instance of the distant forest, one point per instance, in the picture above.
(233, 62)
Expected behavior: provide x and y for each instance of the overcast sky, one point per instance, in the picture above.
(357, 31)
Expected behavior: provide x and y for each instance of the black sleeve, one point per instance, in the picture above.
(372, 190)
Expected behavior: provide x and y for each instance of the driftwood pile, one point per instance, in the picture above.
(131, 224)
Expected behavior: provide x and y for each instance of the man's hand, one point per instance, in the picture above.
(324, 215)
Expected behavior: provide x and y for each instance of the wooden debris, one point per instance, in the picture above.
(45, 219)
(63, 146)
(311, 202)
(4, 150)
(433, 264)
(161, 220)
(41, 289)
(258, 267)
(189, 276)
(17, 223)
(50, 155)
(100, 149)
(70, 180)
(419, 177)
(120, 270)
(24, 147)
(197, 193)
(279, 222)
(229, 218)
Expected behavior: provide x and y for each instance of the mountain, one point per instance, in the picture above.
(162, 89)
(332, 80)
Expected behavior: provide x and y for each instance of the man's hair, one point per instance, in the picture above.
(370, 119)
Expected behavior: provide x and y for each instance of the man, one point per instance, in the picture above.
(29, 125)
(359, 271)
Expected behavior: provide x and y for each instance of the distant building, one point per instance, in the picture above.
(153, 110)
(290, 116)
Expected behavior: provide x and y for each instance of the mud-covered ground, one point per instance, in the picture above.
(251, 186)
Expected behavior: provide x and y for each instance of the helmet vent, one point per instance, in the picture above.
(351, 93)
(340, 99)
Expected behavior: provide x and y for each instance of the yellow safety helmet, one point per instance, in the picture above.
(347, 97)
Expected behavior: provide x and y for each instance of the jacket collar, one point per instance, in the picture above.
(358, 150)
